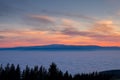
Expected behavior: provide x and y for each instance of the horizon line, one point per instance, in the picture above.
(55, 44)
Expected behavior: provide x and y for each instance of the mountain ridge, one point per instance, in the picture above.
(63, 47)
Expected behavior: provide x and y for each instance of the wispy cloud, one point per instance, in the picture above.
(2, 37)
(104, 30)
(81, 16)
(70, 23)
(39, 22)
(104, 26)
(42, 18)
(92, 35)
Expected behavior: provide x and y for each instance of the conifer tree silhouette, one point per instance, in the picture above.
(12, 72)
(17, 73)
(53, 72)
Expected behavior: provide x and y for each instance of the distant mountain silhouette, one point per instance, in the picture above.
(62, 47)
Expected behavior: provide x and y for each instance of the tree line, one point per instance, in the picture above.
(12, 72)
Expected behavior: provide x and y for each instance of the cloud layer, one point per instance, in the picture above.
(28, 22)
(64, 31)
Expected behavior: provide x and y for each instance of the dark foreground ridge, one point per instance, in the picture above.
(12, 72)
(62, 47)
(115, 73)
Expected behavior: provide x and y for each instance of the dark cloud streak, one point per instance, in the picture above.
(92, 35)
(2, 37)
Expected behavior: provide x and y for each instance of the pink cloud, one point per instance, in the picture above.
(41, 18)
(70, 23)
(104, 30)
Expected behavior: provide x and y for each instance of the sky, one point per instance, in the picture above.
(70, 22)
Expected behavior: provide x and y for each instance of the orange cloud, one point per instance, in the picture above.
(104, 27)
(104, 30)
(68, 32)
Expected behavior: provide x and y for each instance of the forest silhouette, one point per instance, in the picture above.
(12, 72)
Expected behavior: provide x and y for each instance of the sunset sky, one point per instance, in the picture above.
(70, 22)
